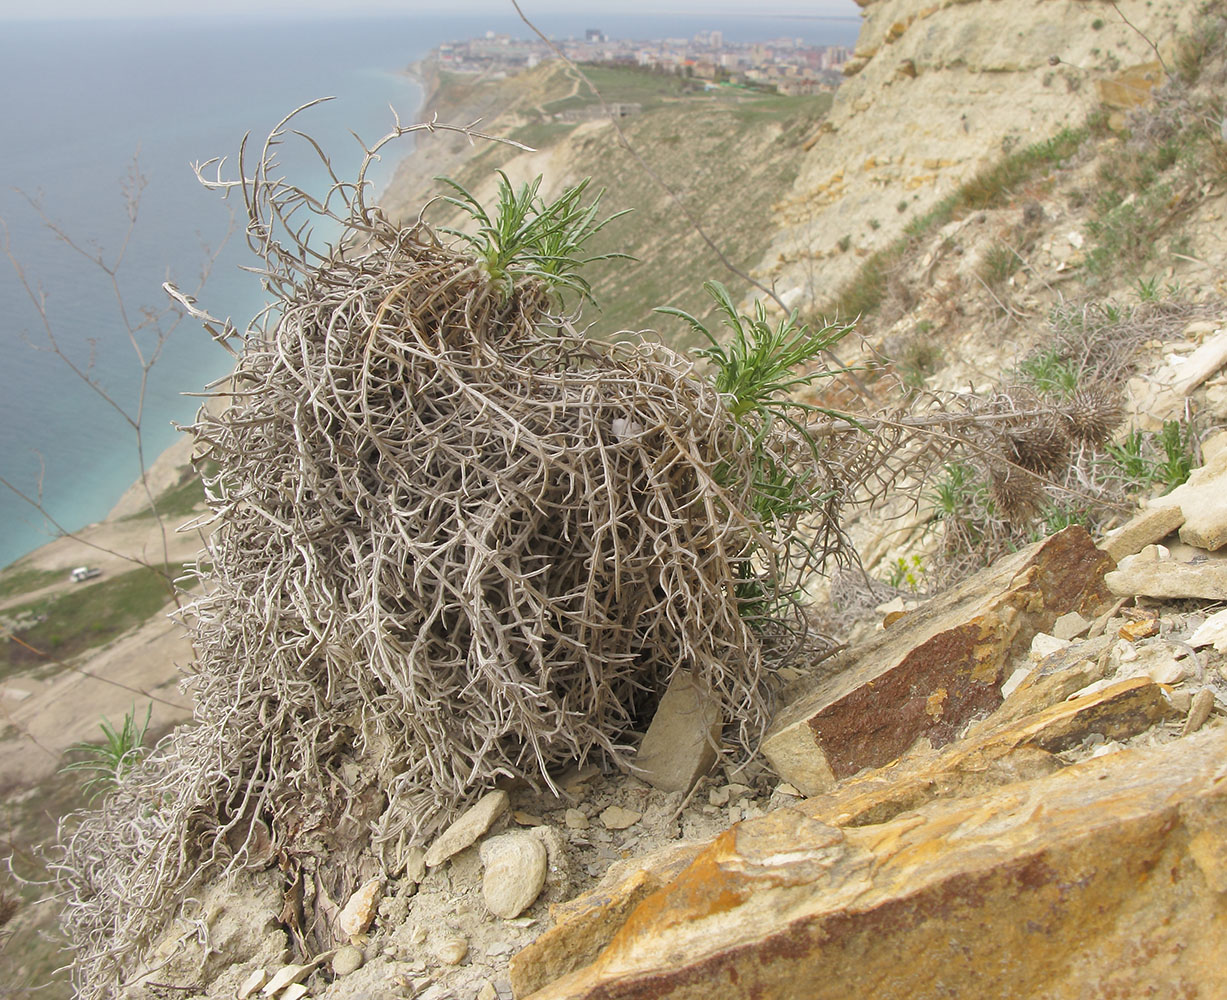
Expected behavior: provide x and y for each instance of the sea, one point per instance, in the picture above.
(100, 124)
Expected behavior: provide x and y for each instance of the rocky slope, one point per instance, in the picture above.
(1014, 788)
(936, 92)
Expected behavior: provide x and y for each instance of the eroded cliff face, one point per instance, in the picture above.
(939, 90)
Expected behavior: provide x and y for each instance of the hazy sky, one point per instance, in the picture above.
(230, 8)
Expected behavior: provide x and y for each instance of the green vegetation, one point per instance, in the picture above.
(1049, 372)
(527, 238)
(623, 84)
(17, 580)
(998, 264)
(82, 618)
(1164, 457)
(758, 371)
(907, 573)
(992, 187)
(539, 134)
(107, 762)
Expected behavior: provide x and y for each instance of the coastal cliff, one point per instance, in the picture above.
(936, 92)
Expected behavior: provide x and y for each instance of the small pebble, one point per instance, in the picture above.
(415, 864)
(451, 951)
(347, 959)
(358, 913)
(515, 869)
(617, 818)
(252, 983)
(1199, 711)
(487, 992)
(575, 820)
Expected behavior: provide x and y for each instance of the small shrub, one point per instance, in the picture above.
(997, 266)
(1148, 289)
(1049, 373)
(844, 243)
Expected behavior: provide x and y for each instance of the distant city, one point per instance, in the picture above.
(786, 65)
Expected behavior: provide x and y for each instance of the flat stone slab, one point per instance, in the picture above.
(1203, 503)
(474, 822)
(1149, 526)
(937, 668)
(1147, 574)
(1108, 878)
(681, 742)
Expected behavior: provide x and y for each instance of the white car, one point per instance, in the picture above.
(83, 573)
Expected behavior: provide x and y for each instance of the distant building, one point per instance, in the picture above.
(594, 35)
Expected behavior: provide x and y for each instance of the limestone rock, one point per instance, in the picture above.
(617, 818)
(586, 924)
(1070, 626)
(515, 867)
(1147, 575)
(252, 983)
(937, 668)
(1000, 51)
(1150, 526)
(286, 976)
(1104, 878)
(1203, 500)
(360, 909)
(680, 745)
(1199, 711)
(347, 959)
(1051, 682)
(452, 950)
(472, 824)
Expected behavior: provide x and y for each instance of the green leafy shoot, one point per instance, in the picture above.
(527, 238)
(110, 760)
(756, 372)
(762, 365)
(951, 494)
(1177, 443)
(1050, 373)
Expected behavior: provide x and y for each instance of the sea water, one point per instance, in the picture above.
(92, 111)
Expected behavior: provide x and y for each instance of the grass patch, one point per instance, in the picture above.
(623, 84)
(995, 186)
(539, 134)
(15, 581)
(83, 618)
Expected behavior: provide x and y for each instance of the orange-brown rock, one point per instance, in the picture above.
(937, 668)
(585, 925)
(1016, 750)
(1106, 879)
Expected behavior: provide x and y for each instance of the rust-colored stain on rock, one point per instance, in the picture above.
(872, 726)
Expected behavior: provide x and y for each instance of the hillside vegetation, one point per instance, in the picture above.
(697, 142)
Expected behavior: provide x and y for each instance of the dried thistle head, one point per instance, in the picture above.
(1038, 446)
(1016, 493)
(1093, 413)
